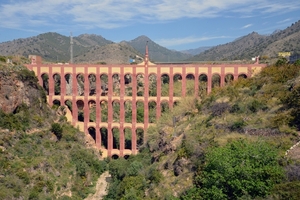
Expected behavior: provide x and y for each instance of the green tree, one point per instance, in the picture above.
(239, 169)
(57, 130)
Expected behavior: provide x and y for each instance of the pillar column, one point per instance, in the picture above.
(122, 112)
(196, 82)
(51, 86)
(133, 104)
(146, 98)
(74, 95)
(86, 111)
(209, 80)
(62, 86)
(171, 88)
(236, 73)
(158, 94)
(110, 112)
(98, 111)
(222, 76)
(183, 91)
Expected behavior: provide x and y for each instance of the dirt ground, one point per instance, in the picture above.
(101, 187)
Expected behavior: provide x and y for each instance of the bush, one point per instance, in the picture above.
(57, 130)
(239, 169)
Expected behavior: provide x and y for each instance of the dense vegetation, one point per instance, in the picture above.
(229, 145)
(41, 155)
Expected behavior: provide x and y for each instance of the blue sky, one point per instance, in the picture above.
(175, 24)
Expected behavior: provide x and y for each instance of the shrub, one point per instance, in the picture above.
(57, 130)
(239, 169)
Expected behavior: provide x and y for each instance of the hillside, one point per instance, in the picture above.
(41, 155)
(253, 44)
(117, 53)
(239, 142)
(52, 46)
(157, 53)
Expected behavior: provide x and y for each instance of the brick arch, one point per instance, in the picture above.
(57, 83)
(202, 84)
(242, 75)
(177, 83)
(228, 78)
(56, 102)
(165, 84)
(216, 80)
(190, 84)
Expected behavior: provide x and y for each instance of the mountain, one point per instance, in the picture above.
(115, 53)
(196, 51)
(88, 48)
(255, 44)
(52, 46)
(157, 53)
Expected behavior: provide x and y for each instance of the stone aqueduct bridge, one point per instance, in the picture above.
(146, 69)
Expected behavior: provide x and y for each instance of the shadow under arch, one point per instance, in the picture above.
(92, 133)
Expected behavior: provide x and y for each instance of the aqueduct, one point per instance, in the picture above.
(115, 104)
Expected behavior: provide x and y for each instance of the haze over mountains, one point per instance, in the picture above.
(90, 48)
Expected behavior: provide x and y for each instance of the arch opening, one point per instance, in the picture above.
(152, 111)
(152, 85)
(69, 86)
(177, 85)
(190, 85)
(57, 82)
(216, 80)
(104, 111)
(140, 85)
(116, 85)
(92, 133)
(128, 111)
(116, 138)
(92, 84)
(139, 137)
(80, 84)
(45, 78)
(165, 81)
(139, 112)
(202, 85)
(104, 137)
(116, 111)
(104, 84)
(80, 106)
(128, 139)
(128, 84)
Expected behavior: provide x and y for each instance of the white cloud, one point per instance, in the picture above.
(247, 26)
(116, 13)
(186, 40)
(284, 21)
